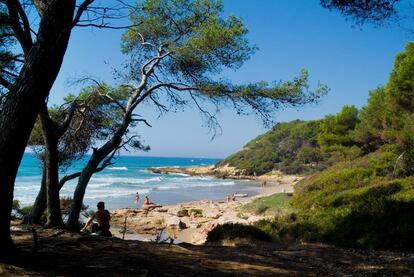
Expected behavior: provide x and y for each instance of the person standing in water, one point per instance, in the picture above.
(136, 198)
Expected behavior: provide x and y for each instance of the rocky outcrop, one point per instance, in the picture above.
(228, 172)
(223, 172)
(197, 218)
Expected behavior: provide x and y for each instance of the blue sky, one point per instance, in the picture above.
(290, 35)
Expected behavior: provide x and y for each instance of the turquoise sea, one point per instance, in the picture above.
(118, 183)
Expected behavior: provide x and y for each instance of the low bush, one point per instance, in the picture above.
(357, 204)
(231, 231)
(25, 211)
(195, 212)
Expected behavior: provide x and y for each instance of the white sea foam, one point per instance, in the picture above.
(118, 168)
(125, 180)
(194, 185)
(100, 193)
(179, 174)
(99, 185)
(192, 178)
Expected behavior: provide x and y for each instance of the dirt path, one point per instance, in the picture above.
(72, 255)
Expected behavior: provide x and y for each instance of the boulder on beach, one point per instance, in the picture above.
(182, 213)
(212, 214)
(171, 221)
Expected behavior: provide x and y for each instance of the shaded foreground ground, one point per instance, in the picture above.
(66, 254)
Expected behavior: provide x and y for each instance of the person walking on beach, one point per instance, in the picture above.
(103, 217)
(136, 198)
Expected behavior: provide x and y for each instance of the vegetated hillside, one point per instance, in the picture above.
(280, 148)
(299, 146)
(363, 195)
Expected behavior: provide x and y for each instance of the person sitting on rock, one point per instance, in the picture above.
(103, 217)
(147, 205)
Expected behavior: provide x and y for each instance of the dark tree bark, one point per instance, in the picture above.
(98, 156)
(51, 135)
(39, 205)
(78, 195)
(26, 96)
(48, 195)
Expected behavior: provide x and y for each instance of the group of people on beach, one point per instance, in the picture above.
(102, 216)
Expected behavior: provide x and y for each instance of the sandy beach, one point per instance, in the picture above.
(190, 221)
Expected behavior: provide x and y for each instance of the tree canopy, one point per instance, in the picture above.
(362, 11)
(184, 45)
(7, 58)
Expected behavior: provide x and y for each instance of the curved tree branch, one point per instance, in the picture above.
(22, 34)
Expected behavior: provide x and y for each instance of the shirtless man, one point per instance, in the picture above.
(103, 217)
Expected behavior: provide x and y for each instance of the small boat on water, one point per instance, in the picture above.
(240, 194)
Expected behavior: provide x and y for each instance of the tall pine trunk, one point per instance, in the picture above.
(51, 135)
(98, 156)
(78, 195)
(24, 100)
(39, 205)
(54, 216)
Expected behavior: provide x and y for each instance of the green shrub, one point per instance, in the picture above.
(242, 216)
(16, 205)
(280, 148)
(261, 208)
(195, 212)
(356, 204)
(231, 231)
(25, 211)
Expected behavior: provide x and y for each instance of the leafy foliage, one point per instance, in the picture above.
(365, 196)
(300, 146)
(236, 231)
(357, 204)
(362, 11)
(7, 58)
(287, 147)
(96, 117)
(195, 212)
(186, 44)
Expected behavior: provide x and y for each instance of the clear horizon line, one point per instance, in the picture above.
(155, 156)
